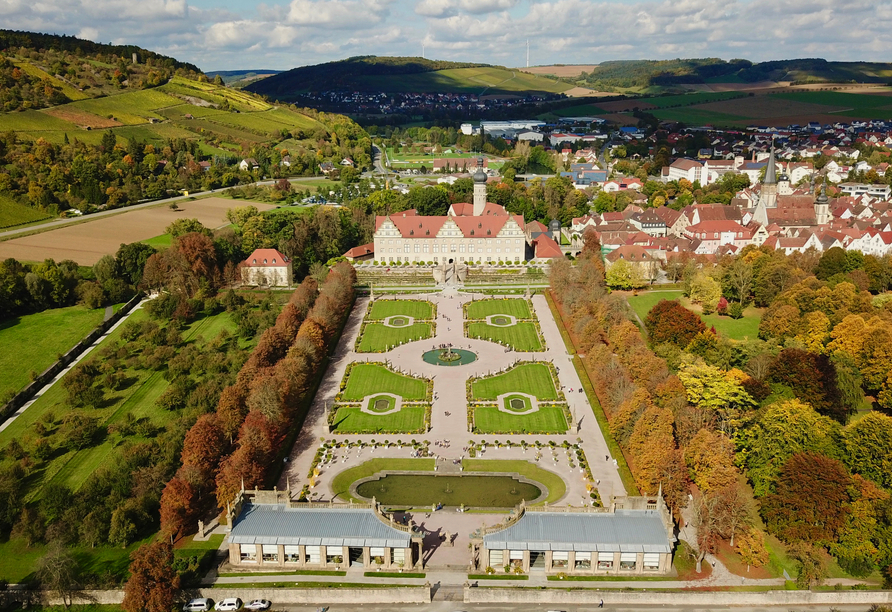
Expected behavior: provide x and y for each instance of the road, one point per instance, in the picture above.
(456, 605)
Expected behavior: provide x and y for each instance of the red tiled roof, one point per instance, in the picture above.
(546, 248)
(269, 258)
(364, 249)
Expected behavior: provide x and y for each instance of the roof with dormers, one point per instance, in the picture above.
(266, 258)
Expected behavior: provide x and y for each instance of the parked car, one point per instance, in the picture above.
(230, 604)
(258, 604)
(202, 604)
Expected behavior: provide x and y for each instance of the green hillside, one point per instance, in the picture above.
(45, 70)
(649, 76)
(214, 115)
(402, 75)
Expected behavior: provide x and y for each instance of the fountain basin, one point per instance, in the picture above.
(444, 358)
(484, 490)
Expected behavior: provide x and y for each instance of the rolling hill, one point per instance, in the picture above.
(403, 75)
(240, 78)
(658, 76)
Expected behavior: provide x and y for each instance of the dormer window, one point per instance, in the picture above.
(264, 261)
(488, 232)
(255, 261)
(427, 233)
(274, 261)
(472, 232)
(411, 232)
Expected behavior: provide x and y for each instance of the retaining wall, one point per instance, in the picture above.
(686, 599)
(25, 395)
(396, 595)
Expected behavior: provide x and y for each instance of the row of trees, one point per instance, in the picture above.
(29, 288)
(233, 445)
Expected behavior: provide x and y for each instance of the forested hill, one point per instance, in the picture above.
(641, 74)
(349, 74)
(42, 70)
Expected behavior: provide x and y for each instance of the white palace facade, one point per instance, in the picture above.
(481, 232)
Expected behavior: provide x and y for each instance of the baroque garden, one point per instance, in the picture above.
(441, 405)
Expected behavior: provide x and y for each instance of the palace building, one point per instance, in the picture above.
(479, 232)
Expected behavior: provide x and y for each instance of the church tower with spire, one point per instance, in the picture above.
(822, 205)
(768, 195)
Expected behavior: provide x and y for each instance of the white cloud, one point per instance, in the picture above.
(299, 32)
(338, 14)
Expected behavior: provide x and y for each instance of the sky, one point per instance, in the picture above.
(248, 34)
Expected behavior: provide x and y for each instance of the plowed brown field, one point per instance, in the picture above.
(87, 242)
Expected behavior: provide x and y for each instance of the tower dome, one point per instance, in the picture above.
(480, 175)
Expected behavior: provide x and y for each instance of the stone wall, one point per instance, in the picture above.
(693, 599)
(397, 595)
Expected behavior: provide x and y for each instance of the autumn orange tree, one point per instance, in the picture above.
(669, 321)
(153, 582)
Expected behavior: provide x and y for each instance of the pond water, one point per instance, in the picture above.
(443, 357)
(419, 490)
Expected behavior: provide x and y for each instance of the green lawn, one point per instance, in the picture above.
(72, 468)
(18, 563)
(417, 309)
(735, 329)
(531, 378)
(368, 379)
(521, 336)
(377, 337)
(643, 302)
(350, 419)
(159, 242)
(12, 213)
(480, 309)
(547, 420)
(340, 485)
(556, 486)
(33, 342)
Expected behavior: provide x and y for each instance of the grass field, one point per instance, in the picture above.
(33, 342)
(583, 110)
(521, 336)
(417, 309)
(159, 242)
(368, 379)
(698, 116)
(556, 486)
(18, 563)
(480, 309)
(340, 485)
(73, 467)
(12, 213)
(735, 329)
(692, 98)
(350, 419)
(531, 378)
(547, 420)
(377, 337)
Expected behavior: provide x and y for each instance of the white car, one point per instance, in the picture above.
(230, 604)
(201, 604)
(258, 604)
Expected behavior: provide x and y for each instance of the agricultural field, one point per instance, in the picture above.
(86, 242)
(480, 309)
(531, 378)
(692, 98)
(583, 110)
(780, 108)
(12, 213)
(134, 402)
(33, 342)
(417, 309)
(367, 379)
(522, 336)
(350, 419)
(378, 338)
(547, 420)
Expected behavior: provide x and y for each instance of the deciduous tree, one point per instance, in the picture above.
(669, 321)
(153, 582)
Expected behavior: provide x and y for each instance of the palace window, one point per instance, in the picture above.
(248, 553)
(270, 553)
